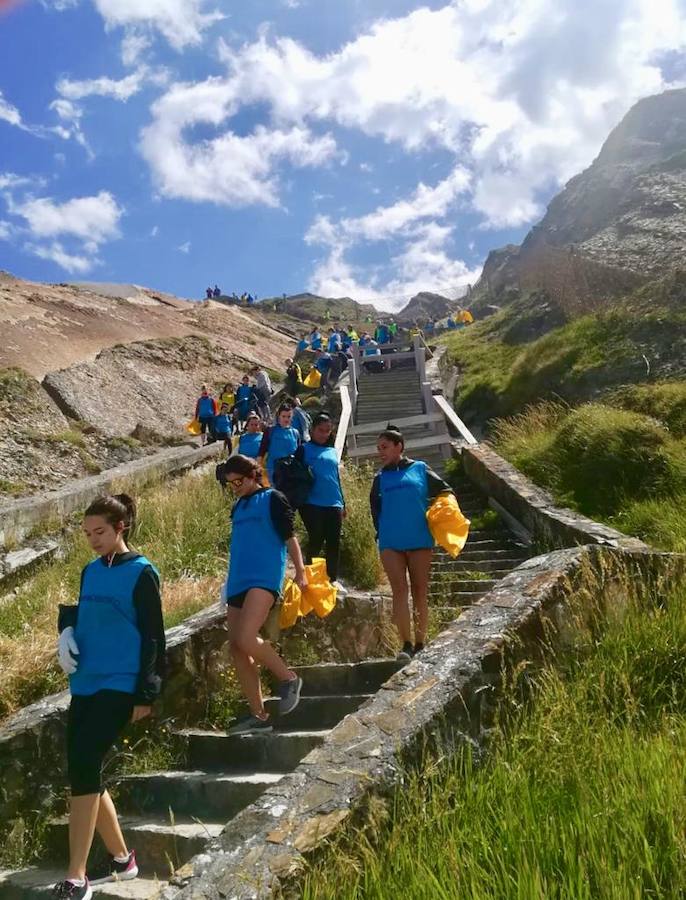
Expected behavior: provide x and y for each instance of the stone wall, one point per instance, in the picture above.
(550, 526)
(32, 742)
(444, 697)
(19, 518)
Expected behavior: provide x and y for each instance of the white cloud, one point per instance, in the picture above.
(122, 89)
(231, 169)
(70, 115)
(5, 230)
(93, 220)
(56, 253)
(154, 231)
(181, 22)
(133, 46)
(86, 222)
(185, 247)
(9, 113)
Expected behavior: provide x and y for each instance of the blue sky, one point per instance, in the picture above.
(369, 148)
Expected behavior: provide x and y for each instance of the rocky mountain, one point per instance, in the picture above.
(89, 380)
(616, 225)
(316, 310)
(426, 305)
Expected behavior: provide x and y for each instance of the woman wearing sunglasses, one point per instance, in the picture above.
(262, 532)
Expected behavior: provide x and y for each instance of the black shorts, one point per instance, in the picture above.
(94, 722)
(206, 423)
(238, 600)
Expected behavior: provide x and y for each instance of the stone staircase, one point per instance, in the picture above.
(170, 816)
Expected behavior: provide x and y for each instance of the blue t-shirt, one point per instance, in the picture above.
(205, 407)
(258, 553)
(302, 345)
(222, 423)
(316, 341)
(404, 501)
(282, 442)
(326, 489)
(249, 444)
(106, 631)
(243, 397)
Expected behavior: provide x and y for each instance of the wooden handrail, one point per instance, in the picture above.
(454, 419)
(344, 421)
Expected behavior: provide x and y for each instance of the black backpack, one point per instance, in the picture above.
(294, 478)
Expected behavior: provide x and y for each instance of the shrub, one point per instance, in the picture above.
(665, 401)
(360, 562)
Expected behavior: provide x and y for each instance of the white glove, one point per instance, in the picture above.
(68, 651)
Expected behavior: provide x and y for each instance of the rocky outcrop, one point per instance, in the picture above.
(615, 225)
(426, 305)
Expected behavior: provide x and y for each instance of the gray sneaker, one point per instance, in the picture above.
(251, 725)
(289, 695)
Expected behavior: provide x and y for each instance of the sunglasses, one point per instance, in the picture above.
(235, 482)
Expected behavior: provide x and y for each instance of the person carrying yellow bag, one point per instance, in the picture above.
(447, 524)
(193, 427)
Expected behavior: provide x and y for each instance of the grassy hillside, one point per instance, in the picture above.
(529, 351)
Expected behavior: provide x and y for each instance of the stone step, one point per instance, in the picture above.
(202, 795)
(316, 712)
(36, 884)
(507, 553)
(498, 567)
(346, 678)
(280, 751)
(470, 586)
(161, 845)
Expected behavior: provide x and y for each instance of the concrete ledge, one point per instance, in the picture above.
(444, 697)
(21, 517)
(550, 526)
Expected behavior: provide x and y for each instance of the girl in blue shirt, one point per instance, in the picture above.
(262, 531)
(251, 439)
(324, 510)
(280, 440)
(112, 647)
(401, 493)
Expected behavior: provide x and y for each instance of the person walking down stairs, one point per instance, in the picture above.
(112, 646)
(401, 494)
(262, 530)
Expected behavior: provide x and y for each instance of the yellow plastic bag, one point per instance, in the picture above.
(448, 526)
(290, 608)
(313, 378)
(320, 594)
(193, 427)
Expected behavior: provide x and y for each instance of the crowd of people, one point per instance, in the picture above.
(112, 642)
(216, 292)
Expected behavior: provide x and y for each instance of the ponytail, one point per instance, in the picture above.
(115, 509)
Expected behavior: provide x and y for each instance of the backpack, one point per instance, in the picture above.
(294, 478)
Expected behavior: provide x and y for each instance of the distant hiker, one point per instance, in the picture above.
(322, 364)
(261, 533)
(205, 411)
(209, 293)
(364, 340)
(382, 335)
(223, 426)
(250, 300)
(294, 377)
(280, 440)
(227, 396)
(301, 420)
(324, 510)
(372, 357)
(393, 329)
(112, 647)
(400, 496)
(263, 390)
(217, 291)
(452, 324)
(246, 400)
(251, 439)
(303, 344)
(334, 341)
(316, 339)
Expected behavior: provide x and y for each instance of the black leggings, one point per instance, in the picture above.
(94, 723)
(323, 525)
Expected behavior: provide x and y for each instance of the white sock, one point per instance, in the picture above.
(122, 859)
(79, 882)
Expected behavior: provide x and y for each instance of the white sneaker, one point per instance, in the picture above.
(340, 589)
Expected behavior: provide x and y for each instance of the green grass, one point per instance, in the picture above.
(360, 563)
(11, 487)
(581, 795)
(618, 465)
